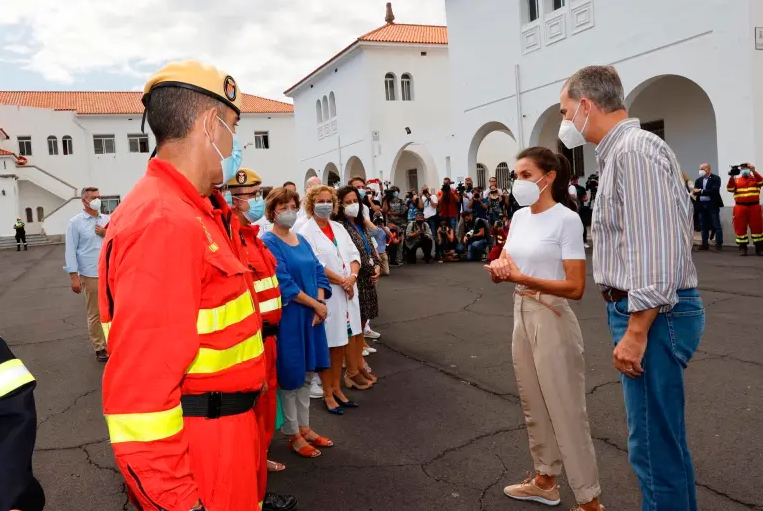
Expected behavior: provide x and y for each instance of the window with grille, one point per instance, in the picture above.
(656, 127)
(502, 175)
(389, 86)
(109, 204)
(481, 173)
(66, 142)
(52, 146)
(138, 143)
(406, 87)
(261, 140)
(25, 147)
(104, 144)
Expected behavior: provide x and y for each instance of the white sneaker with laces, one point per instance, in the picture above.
(369, 349)
(316, 389)
(371, 334)
(365, 352)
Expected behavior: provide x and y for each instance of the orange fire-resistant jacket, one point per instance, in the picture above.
(263, 265)
(746, 189)
(180, 317)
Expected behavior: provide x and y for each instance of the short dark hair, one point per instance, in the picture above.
(276, 197)
(287, 183)
(600, 84)
(265, 191)
(88, 189)
(356, 178)
(171, 112)
(546, 160)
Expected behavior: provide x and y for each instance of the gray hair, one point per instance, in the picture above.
(600, 84)
(88, 189)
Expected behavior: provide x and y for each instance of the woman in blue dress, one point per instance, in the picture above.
(301, 342)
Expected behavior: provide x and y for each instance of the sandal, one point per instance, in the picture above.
(318, 441)
(367, 375)
(306, 451)
(356, 381)
(274, 466)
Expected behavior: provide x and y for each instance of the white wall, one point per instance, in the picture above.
(32, 196)
(497, 147)
(279, 163)
(8, 201)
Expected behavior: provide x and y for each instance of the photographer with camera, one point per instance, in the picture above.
(429, 201)
(397, 214)
(473, 235)
(448, 203)
(418, 235)
(446, 243)
(414, 204)
(745, 183)
(592, 186)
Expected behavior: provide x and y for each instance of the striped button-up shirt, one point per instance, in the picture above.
(642, 220)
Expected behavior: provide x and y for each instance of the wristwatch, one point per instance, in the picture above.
(321, 301)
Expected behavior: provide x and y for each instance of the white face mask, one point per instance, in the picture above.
(569, 134)
(95, 205)
(352, 210)
(527, 193)
(702, 173)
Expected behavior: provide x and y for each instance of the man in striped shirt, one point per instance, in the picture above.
(642, 233)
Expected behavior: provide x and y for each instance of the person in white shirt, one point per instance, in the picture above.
(429, 198)
(544, 256)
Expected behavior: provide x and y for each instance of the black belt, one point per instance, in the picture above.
(614, 295)
(214, 405)
(269, 330)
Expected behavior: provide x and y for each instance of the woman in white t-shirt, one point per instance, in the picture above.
(545, 257)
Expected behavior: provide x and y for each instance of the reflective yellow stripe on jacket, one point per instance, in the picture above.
(13, 374)
(145, 427)
(219, 318)
(265, 284)
(209, 361)
(270, 305)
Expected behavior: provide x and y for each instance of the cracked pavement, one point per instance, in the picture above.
(443, 428)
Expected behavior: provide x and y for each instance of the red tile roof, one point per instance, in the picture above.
(92, 102)
(391, 33)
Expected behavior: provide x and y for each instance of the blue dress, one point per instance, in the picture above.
(301, 346)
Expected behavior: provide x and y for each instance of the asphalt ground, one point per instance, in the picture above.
(443, 428)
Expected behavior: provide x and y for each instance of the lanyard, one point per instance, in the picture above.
(363, 235)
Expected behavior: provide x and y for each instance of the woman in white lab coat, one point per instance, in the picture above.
(341, 260)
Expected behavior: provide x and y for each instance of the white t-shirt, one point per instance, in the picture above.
(539, 243)
(430, 206)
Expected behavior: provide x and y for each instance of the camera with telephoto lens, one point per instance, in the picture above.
(460, 188)
(737, 169)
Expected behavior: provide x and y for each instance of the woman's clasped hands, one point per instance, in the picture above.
(503, 269)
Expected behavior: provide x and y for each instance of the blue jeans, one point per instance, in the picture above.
(710, 218)
(654, 403)
(476, 250)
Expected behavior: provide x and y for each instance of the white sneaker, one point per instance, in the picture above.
(369, 349)
(316, 390)
(371, 334)
(586, 245)
(365, 354)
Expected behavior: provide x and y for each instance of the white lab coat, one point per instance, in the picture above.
(337, 259)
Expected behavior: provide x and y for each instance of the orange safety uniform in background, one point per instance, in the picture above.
(182, 323)
(263, 264)
(747, 211)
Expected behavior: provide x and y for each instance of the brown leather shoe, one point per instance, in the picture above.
(102, 355)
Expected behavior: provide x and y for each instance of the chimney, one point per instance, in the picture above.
(390, 17)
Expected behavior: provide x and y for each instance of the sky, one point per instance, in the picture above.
(266, 45)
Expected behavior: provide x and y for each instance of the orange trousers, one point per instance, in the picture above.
(265, 411)
(745, 215)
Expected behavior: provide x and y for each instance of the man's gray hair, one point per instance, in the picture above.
(88, 189)
(600, 84)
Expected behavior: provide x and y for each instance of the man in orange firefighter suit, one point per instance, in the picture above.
(745, 183)
(248, 206)
(181, 320)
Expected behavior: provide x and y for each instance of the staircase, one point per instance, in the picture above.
(32, 240)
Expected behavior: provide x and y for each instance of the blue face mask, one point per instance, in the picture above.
(396, 194)
(362, 193)
(256, 209)
(232, 163)
(746, 172)
(228, 198)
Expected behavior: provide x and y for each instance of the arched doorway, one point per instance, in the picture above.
(414, 167)
(331, 174)
(310, 173)
(492, 144)
(680, 112)
(353, 168)
(545, 133)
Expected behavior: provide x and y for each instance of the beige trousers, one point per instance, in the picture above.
(384, 258)
(548, 361)
(90, 287)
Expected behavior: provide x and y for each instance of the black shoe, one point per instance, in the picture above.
(102, 355)
(334, 411)
(346, 404)
(702, 248)
(718, 248)
(18, 249)
(275, 502)
(742, 250)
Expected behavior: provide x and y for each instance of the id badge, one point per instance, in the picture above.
(371, 261)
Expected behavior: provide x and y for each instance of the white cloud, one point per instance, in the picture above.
(266, 45)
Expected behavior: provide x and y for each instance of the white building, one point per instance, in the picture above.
(72, 140)
(691, 73)
(380, 108)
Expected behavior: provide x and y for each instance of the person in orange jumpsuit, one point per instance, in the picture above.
(745, 183)
(179, 311)
(248, 206)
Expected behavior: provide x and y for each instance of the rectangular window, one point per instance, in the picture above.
(533, 10)
(261, 140)
(413, 179)
(576, 158)
(25, 146)
(52, 146)
(104, 144)
(67, 143)
(138, 143)
(656, 127)
(558, 4)
(109, 204)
